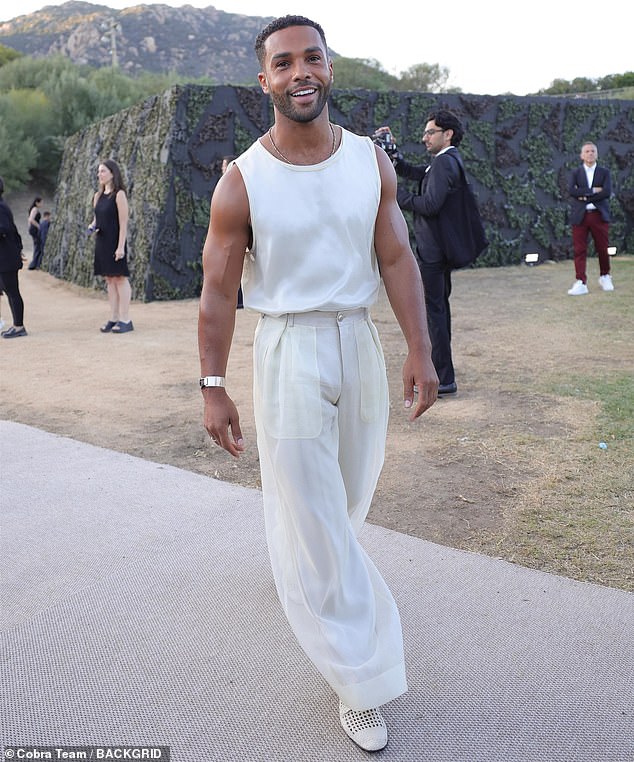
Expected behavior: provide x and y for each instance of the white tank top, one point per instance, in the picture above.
(313, 230)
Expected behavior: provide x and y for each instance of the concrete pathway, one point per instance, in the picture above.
(138, 608)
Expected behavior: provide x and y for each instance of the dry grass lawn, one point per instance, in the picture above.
(510, 467)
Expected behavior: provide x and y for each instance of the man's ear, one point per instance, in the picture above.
(263, 83)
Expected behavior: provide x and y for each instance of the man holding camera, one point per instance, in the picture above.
(442, 135)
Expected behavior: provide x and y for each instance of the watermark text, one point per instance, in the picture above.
(43, 753)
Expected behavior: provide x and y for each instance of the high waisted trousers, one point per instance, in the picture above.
(321, 408)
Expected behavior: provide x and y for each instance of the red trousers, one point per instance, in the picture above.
(593, 224)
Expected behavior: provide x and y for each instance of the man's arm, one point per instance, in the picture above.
(404, 289)
(604, 191)
(409, 171)
(442, 177)
(402, 167)
(575, 190)
(123, 211)
(223, 257)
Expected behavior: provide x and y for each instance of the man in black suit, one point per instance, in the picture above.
(442, 136)
(590, 187)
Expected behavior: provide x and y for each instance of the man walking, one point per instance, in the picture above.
(316, 208)
(590, 187)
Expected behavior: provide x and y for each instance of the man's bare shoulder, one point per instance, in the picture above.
(386, 171)
(230, 192)
(232, 181)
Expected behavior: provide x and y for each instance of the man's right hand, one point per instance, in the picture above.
(223, 255)
(383, 130)
(222, 421)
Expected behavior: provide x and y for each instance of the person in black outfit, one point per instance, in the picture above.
(442, 136)
(10, 264)
(110, 226)
(34, 231)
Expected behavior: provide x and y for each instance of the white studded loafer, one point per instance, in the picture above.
(366, 728)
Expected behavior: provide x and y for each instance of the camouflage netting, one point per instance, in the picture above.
(518, 152)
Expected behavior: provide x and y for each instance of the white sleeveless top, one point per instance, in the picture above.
(313, 230)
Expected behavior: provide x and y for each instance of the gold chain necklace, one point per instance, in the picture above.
(288, 161)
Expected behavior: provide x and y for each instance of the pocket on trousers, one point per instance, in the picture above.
(287, 374)
(372, 374)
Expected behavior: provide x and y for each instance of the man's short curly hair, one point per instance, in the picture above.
(447, 120)
(283, 23)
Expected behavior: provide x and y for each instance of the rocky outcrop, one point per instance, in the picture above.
(194, 42)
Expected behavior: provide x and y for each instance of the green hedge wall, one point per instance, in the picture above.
(519, 152)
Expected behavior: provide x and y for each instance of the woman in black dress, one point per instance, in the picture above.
(34, 231)
(110, 226)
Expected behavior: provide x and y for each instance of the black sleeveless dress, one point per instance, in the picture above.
(107, 238)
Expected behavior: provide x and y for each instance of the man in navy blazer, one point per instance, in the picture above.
(590, 188)
(442, 136)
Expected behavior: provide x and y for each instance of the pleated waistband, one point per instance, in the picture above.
(321, 317)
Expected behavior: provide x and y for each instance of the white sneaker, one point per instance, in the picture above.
(578, 288)
(366, 728)
(605, 281)
(2, 324)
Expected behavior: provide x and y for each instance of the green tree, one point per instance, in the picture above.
(29, 112)
(18, 154)
(366, 73)
(622, 80)
(74, 102)
(425, 78)
(556, 87)
(8, 54)
(32, 73)
(369, 74)
(46, 100)
(583, 85)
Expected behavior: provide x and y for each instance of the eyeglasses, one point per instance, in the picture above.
(429, 133)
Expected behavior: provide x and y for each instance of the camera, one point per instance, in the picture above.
(385, 140)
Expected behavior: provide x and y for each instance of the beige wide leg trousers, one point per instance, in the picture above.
(321, 408)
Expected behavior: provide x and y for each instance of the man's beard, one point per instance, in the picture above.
(284, 104)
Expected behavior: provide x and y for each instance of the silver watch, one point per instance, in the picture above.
(211, 381)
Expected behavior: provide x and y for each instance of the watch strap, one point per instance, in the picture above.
(211, 381)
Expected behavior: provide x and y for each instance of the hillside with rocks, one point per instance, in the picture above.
(192, 42)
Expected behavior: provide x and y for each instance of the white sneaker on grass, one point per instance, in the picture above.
(578, 288)
(605, 281)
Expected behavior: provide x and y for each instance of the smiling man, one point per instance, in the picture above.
(315, 208)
